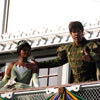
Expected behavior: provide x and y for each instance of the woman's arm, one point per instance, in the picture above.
(35, 74)
(4, 81)
(6, 76)
(35, 80)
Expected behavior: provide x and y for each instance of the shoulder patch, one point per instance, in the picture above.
(92, 45)
(61, 48)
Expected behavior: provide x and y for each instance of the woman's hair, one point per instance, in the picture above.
(21, 44)
(75, 25)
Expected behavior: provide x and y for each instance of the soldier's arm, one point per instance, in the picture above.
(98, 63)
(94, 52)
(98, 50)
(58, 61)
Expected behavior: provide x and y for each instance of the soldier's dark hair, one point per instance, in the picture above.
(75, 25)
(21, 44)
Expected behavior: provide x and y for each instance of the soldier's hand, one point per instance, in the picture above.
(86, 57)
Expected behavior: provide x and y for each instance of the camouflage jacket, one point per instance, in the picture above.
(82, 71)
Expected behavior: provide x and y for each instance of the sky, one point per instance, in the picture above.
(34, 14)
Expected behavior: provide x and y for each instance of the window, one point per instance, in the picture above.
(49, 76)
(4, 11)
(1, 14)
(2, 70)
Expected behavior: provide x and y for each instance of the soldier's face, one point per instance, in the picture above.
(77, 35)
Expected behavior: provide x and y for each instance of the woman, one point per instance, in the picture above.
(19, 73)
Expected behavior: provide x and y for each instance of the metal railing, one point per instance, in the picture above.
(88, 91)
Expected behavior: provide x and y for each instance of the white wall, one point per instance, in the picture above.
(29, 14)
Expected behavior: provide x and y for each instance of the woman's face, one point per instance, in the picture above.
(25, 52)
(77, 35)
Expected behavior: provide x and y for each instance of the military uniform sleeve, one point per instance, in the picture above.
(98, 63)
(93, 51)
(98, 51)
(58, 61)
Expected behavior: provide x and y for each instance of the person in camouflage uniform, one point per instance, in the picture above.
(81, 55)
(98, 63)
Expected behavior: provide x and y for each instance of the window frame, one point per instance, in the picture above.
(4, 25)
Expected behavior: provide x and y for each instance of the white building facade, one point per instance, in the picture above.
(44, 43)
